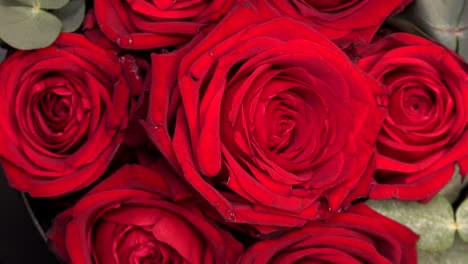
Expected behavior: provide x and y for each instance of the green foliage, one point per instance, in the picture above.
(33, 24)
(434, 221)
(443, 233)
(457, 254)
(462, 220)
(446, 21)
(452, 190)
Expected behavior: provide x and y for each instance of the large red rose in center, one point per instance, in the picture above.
(275, 125)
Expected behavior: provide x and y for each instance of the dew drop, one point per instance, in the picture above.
(158, 126)
(230, 216)
(134, 71)
(211, 53)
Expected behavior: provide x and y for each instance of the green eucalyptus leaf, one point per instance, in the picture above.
(28, 28)
(434, 221)
(452, 190)
(8, 2)
(457, 254)
(44, 4)
(462, 220)
(71, 15)
(444, 20)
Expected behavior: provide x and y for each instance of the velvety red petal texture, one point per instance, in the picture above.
(343, 21)
(272, 126)
(141, 215)
(425, 131)
(142, 24)
(64, 108)
(357, 236)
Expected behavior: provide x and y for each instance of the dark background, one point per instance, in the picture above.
(20, 241)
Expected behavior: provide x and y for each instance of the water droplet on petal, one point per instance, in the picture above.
(158, 126)
(230, 216)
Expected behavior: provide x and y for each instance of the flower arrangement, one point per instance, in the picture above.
(239, 131)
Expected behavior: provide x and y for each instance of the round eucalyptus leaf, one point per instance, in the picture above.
(27, 28)
(444, 20)
(452, 190)
(457, 254)
(71, 15)
(462, 220)
(433, 222)
(44, 4)
(8, 2)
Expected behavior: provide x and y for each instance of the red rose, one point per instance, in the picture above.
(63, 111)
(140, 216)
(274, 126)
(426, 128)
(357, 236)
(92, 31)
(344, 21)
(156, 24)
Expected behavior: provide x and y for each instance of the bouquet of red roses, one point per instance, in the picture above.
(240, 131)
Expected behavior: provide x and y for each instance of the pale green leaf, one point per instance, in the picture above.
(434, 221)
(457, 254)
(462, 220)
(44, 4)
(452, 190)
(444, 20)
(71, 15)
(438, 13)
(28, 28)
(8, 2)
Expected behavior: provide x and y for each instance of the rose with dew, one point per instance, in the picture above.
(273, 127)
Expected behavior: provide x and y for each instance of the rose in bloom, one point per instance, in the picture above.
(140, 216)
(425, 131)
(357, 236)
(63, 111)
(273, 126)
(344, 21)
(156, 24)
